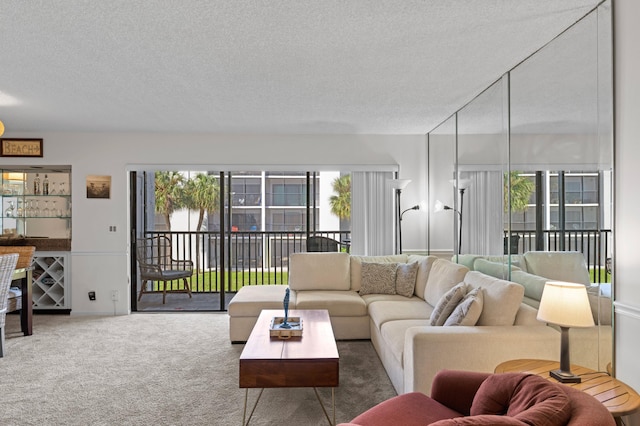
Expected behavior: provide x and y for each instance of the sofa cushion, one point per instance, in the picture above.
(381, 312)
(600, 306)
(569, 266)
(442, 277)
(319, 271)
(501, 299)
(424, 267)
(468, 310)
(356, 266)
(378, 278)
(249, 301)
(393, 334)
(406, 274)
(533, 284)
(447, 303)
(525, 397)
(495, 269)
(338, 303)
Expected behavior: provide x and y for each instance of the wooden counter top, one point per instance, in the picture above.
(49, 244)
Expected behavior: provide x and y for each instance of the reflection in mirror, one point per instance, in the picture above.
(560, 142)
(482, 162)
(443, 223)
(535, 151)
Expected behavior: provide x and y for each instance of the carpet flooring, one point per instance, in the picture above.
(159, 369)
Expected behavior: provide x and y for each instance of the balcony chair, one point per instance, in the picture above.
(25, 258)
(324, 244)
(156, 264)
(8, 264)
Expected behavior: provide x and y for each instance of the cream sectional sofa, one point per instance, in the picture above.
(411, 350)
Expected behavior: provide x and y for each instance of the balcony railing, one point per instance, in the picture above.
(594, 244)
(250, 257)
(262, 258)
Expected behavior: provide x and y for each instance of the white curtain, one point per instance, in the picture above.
(372, 213)
(483, 215)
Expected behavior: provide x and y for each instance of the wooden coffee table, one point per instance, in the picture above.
(308, 361)
(619, 398)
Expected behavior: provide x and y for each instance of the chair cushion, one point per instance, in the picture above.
(409, 409)
(525, 397)
(481, 420)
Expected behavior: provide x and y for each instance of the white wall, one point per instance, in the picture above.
(99, 258)
(627, 211)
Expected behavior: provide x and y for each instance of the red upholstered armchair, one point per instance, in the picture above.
(472, 398)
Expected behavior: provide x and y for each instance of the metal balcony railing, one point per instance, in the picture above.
(250, 257)
(594, 244)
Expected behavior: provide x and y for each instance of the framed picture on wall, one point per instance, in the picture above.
(17, 147)
(98, 186)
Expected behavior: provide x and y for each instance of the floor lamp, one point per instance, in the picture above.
(398, 185)
(461, 185)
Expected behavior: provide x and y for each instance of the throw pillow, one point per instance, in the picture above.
(447, 304)
(468, 310)
(406, 278)
(378, 278)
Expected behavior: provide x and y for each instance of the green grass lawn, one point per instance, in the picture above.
(604, 277)
(210, 281)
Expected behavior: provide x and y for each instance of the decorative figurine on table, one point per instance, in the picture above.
(285, 324)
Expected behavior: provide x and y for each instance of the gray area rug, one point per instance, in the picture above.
(159, 369)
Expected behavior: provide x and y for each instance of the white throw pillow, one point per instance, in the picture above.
(378, 278)
(468, 310)
(447, 304)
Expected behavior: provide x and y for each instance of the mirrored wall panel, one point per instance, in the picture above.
(525, 171)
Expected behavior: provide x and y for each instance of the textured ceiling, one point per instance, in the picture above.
(291, 66)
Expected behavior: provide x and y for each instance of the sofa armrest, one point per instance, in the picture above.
(456, 388)
(427, 350)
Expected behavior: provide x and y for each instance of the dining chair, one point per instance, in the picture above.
(7, 266)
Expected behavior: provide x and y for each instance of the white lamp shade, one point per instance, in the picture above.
(399, 183)
(1, 128)
(565, 304)
(460, 183)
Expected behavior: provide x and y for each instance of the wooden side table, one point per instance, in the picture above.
(619, 398)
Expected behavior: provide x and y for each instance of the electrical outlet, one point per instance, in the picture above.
(115, 296)
(92, 295)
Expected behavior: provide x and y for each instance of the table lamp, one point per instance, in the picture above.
(566, 305)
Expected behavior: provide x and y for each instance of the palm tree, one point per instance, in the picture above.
(341, 203)
(168, 193)
(202, 194)
(521, 189)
